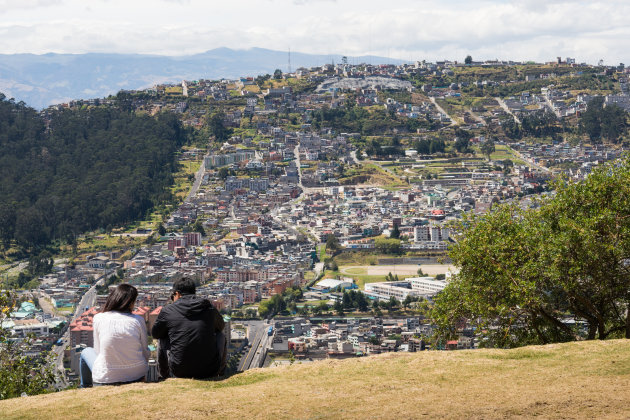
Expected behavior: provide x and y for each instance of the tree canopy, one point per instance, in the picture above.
(19, 371)
(557, 272)
(601, 122)
(77, 170)
(488, 148)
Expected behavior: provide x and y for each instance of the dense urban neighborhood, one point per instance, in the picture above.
(316, 208)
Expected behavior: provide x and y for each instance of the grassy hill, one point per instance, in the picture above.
(574, 380)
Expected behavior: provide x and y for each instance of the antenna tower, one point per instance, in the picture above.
(289, 59)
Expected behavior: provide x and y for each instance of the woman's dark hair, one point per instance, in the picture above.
(121, 299)
(185, 286)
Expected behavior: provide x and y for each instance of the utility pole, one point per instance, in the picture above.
(289, 59)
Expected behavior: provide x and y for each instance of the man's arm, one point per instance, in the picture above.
(160, 329)
(219, 324)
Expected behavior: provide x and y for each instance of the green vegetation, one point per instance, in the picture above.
(280, 303)
(94, 168)
(388, 245)
(38, 265)
(354, 119)
(609, 123)
(19, 372)
(523, 272)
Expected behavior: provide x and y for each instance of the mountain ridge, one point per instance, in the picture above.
(41, 80)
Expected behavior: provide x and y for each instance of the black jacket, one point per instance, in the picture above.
(190, 324)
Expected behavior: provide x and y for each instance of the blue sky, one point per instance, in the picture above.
(410, 30)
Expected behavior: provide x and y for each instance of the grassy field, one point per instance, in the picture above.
(182, 183)
(361, 280)
(373, 174)
(574, 380)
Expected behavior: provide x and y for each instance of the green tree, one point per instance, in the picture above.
(487, 148)
(161, 230)
(21, 373)
(603, 122)
(393, 303)
(395, 233)
(277, 74)
(322, 307)
(338, 307)
(332, 244)
(347, 300)
(387, 245)
(468, 60)
(217, 127)
(198, 227)
(462, 145)
(362, 302)
(522, 272)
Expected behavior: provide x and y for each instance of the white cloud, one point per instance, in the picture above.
(9, 5)
(510, 29)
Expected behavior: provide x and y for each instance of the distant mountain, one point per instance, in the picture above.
(42, 80)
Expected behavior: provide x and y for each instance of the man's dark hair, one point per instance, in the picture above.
(121, 299)
(185, 286)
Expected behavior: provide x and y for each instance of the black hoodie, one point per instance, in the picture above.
(190, 324)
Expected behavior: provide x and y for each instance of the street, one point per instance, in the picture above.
(88, 300)
(259, 340)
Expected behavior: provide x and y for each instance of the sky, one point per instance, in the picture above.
(520, 30)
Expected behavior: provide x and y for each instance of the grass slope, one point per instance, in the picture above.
(575, 380)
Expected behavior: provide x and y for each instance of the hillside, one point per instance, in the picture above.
(42, 80)
(93, 168)
(574, 380)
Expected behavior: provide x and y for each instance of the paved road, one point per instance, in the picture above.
(198, 178)
(529, 162)
(550, 106)
(318, 269)
(88, 300)
(476, 117)
(506, 109)
(296, 152)
(439, 108)
(353, 155)
(257, 335)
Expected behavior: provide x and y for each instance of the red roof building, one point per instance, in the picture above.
(81, 330)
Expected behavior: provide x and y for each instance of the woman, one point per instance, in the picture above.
(120, 352)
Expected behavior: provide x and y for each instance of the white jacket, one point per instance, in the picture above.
(120, 342)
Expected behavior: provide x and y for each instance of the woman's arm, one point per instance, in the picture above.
(144, 340)
(95, 334)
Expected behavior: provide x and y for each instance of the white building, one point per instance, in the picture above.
(385, 290)
(426, 286)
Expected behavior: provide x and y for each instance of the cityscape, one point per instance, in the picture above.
(289, 204)
(314, 209)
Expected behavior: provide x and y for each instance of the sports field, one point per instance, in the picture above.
(402, 269)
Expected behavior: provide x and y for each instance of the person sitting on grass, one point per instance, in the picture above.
(120, 354)
(190, 333)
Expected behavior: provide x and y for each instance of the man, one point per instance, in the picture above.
(190, 330)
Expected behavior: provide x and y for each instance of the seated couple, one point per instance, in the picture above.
(189, 330)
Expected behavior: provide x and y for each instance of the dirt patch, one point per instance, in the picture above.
(402, 269)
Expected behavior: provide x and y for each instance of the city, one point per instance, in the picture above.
(284, 206)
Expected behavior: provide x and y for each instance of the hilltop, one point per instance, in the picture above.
(573, 380)
(42, 80)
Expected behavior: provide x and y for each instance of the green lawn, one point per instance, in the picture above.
(356, 270)
(362, 280)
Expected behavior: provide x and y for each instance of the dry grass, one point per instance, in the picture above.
(575, 380)
(400, 269)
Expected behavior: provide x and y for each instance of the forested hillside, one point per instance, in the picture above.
(77, 170)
